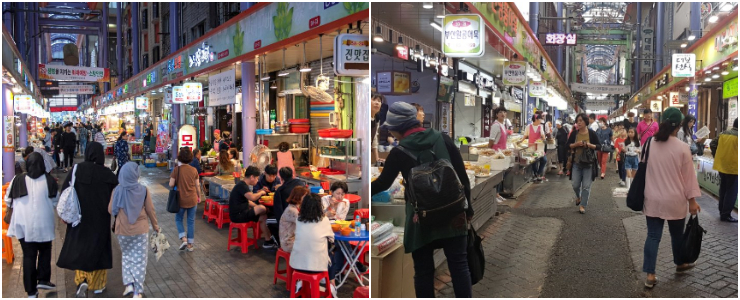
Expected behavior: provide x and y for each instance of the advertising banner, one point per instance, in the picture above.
(444, 92)
(729, 88)
(537, 88)
(463, 36)
(62, 72)
(8, 133)
(674, 99)
(600, 89)
(515, 73)
(599, 104)
(351, 54)
(178, 95)
(163, 137)
(142, 103)
(221, 88)
(22, 103)
(194, 92)
(656, 106)
(74, 89)
(646, 66)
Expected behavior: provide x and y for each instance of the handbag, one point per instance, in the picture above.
(636, 193)
(606, 147)
(68, 207)
(588, 155)
(173, 201)
(114, 165)
(476, 257)
(692, 237)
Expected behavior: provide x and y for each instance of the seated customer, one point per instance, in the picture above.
(234, 156)
(289, 218)
(196, 160)
(244, 207)
(335, 206)
(280, 203)
(268, 180)
(312, 237)
(225, 165)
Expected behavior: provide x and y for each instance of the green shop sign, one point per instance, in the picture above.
(729, 88)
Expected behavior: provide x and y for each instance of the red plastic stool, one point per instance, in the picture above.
(361, 292)
(208, 210)
(311, 284)
(364, 213)
(288, 270)
(222, 215)
(242, 238)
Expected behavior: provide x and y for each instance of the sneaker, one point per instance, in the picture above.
(622, 183)
(100, 291)
(651, 283)
(137, 295)
(183, 246)
(82, 290)
(333, 291)
(129, 289)
(269, 244)
(34, 295)
(191, 248)
(45, 285)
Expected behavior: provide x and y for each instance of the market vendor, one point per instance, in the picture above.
(499, 135)
(216, 140)
(535, 132)
(268, 181)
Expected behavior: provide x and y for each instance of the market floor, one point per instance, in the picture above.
(542, 247)
(209, 271)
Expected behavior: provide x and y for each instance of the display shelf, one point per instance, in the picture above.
(338, 139)
(342, 157)
(284, 134)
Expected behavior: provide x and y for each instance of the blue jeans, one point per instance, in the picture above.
(538, 166)
(83, 144)
(582, 182)
(655, 232)
(727, 194)
(630, 162)
(191, 223)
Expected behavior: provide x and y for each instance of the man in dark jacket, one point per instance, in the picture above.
(69, 143)
(268, 180)
(280, 201)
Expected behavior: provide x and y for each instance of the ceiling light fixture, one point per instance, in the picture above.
(378, 37)
(688, 88)
(713, 19)
(707, 79)
(715, 68)
(715, 76)
(427, 5)
(684, 45)
(305, 67)
(273, 86)
(734, 68)
(725, 72)
(283, 72)
(417, 52)
(727, 7)
(692, 37)
(436, 25)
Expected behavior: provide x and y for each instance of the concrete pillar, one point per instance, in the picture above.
(135, 37)
(103, 42)
(23, 131)
(8, 156)
(559, 28)
(638, 50)
(119, 42)
(174, 47)
(695, 19)
(249, 110)
(659, 38)
(534, 22)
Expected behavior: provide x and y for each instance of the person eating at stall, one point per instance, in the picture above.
(225, 165)
(335, 205)
(244, 206)
(269, 180)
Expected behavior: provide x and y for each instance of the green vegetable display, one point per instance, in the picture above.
(353, 7)
(283, 21)
(238, 40)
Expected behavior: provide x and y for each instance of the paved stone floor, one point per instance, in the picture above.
(209, 271)
(542, 247)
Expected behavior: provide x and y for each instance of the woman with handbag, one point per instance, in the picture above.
(670, 192)
(87, 246)
(421, 241)
(604, 133)
(30, 202)
(131, 205)
(583, 144)
(186, 179)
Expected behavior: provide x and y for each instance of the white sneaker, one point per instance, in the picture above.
(621, 183)
(129, 289)
(82, 290)
(183, 245)
(334, 291)
(100, 291)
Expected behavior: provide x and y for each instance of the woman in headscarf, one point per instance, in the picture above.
(131, 205)
(33, 196)
(87, 246)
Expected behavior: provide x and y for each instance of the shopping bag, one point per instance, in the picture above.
(476, 257)
(158, 242)
(636, 194)
(692, 237)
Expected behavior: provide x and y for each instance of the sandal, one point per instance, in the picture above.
(578, 201)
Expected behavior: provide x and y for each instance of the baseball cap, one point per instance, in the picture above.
(672, 115)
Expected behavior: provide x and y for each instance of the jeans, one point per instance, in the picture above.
(727, 194)
(602, 157)
(191, 223)
(582, 182)
(655, 231)
(83, 145)
(538, 166)
(622, 171)
(337, 262)
(32, 273)
(455, 249)
(631, 162)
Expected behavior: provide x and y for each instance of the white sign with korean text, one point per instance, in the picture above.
(515, 73)
(221, 88)
(674, 100)
(683, 65)
(385, 83)
(168, 96)
(74, 89)
(600, 89)
(568, 39)
(351, 54)
(178, 95)
(193, 91)
(537, 88)
(142, 103)
(186, 137)
(463, 36)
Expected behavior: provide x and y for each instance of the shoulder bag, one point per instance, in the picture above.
(173, 201)
(636, 194)
(68, 207)
(476, 257)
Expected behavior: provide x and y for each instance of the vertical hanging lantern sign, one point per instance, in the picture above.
(463, 36)
(186, 136)
(683, 65)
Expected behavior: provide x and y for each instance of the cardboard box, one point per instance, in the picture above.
(392, 274)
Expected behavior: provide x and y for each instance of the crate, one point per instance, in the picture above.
(150, 165)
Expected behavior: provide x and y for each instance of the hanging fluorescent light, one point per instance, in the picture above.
(715, 76)
(305, 67)
(427, 5)
(399, 46)
(707, 79)
(417, 53)
(725, 73)
(715, 68)
(436, 25)
(283, 72)
(443, 61)
(727, 7)
(433, 59)
(440, 16)
(266, 78)
(692, 37)
(684, 45)
(273, 86)
(713, 19)
(378, 37)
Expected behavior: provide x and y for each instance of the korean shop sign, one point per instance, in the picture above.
(193, 91)
(221, 88)
(351, 54)
(8, 133)
(683, 65)
(62, 72)
(674, 100)
(142, 103)
(463, 36)
(75, 89)
(729, 88)
(178, 95)
(568, 39)
(186, 136)
(537, 88)
(515, 73)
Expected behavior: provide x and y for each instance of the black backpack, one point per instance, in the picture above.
(434, 190)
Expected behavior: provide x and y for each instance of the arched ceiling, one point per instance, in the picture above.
(600, 61)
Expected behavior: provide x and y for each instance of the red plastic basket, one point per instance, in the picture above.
(341, 133)
(300, 129)
(298, 121)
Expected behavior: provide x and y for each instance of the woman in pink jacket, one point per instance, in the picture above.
(671, 189)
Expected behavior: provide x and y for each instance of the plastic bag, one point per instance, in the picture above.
(159, 244)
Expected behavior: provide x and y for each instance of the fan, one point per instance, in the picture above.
(259, 157)
(316, 93)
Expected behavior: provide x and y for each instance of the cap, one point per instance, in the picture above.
(400, 117)
(672, 115)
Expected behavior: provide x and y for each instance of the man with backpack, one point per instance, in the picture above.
(432, 221)
(724, 150)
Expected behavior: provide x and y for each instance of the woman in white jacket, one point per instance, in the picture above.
(312, 237)
(33, 196)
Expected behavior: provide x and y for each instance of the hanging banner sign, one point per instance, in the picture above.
(178, 95)
(22, 103)
(186, 137)
(673, 100)
(599, 104)
(646, 66)
(221, 88)
(537, 88)
(74, 89)
(445, 88)
(515, 73)
(600, 89)
(142, 103)
(729, 88)
(168, 96)
(163, 136)
(351, 54)
(463, 36)
(656, 106)
(8, 133)
(683, 65)
(62, 72)
(193, 91)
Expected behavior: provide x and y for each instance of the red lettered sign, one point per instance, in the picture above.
(223, 54)
(258, 44)
(314, 22)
